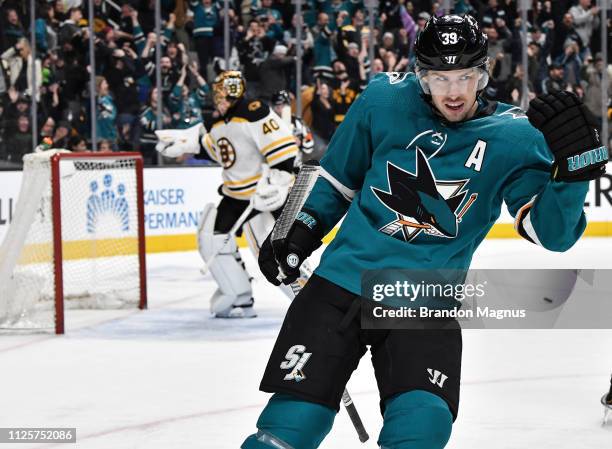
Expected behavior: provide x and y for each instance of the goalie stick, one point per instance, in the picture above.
(302, 187)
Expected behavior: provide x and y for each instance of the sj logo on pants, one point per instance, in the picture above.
(296, 358)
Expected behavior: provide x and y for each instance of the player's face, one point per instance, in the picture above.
(453, 92)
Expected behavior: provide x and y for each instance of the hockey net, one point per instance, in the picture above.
(76, 240)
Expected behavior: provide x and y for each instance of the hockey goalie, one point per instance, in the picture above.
(257, 151)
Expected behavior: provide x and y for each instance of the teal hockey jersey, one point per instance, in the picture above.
(420, 193)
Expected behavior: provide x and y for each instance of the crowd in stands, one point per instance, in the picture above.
(564, 53)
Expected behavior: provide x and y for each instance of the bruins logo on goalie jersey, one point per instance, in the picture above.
(249, 136)
(227, 153)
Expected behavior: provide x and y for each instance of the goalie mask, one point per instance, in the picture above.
(228, 85)
(451, 43)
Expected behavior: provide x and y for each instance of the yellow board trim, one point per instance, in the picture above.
(187, 242)
(81, 249)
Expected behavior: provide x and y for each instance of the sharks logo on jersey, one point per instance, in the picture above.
(422, 203)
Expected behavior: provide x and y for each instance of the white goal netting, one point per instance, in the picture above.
(98, 216)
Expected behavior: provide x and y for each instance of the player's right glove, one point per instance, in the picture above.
(177, 142)
(571, 134)
(289, 253)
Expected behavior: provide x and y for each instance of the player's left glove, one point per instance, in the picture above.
(288, 254)
(571, 134)
(272, 189)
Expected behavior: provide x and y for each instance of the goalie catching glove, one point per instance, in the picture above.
(289, 253)
(572, 136)
(272, 189)
(177, 142)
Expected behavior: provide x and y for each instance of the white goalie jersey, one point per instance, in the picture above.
(249, 136)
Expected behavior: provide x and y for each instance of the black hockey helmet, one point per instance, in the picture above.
(280, 97)
(451, 42)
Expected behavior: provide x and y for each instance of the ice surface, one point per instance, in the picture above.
(172, 377)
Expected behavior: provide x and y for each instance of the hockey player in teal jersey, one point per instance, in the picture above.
(420, 166)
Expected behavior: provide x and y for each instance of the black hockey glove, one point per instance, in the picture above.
(303, 238)
(571, 134)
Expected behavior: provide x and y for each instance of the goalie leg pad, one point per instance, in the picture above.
(416, 420)
(227, 269)
(291, 423)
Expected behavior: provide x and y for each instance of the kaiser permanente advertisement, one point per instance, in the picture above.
(174, 198)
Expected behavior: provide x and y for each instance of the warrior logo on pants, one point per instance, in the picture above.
(296, 358)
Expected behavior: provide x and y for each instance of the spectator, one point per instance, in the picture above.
(323, 120)
(377, 67)
(514, 89)
(121, 77)
(272, 72)
(289, 38)
(46, 25)
(350, 33)
(592, 79)
(262, 9)
(323, 52)
(253, 49)
(500, 64)
(148, 125)
(106, 112)
(77, 143)
(571, 62)
(19, 60)
(564, 31)
(206, 20)
(585, 19)
(46, 130)
(555, 80)
(70, 32)
(62, 134)
(494, 16)
(12, 30)
(344, 92)
(19, 142)
(19, 104)
(186, 107)
(105, 145)
(354, 64)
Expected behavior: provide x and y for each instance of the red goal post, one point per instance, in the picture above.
(77, 239)
(57, 224)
